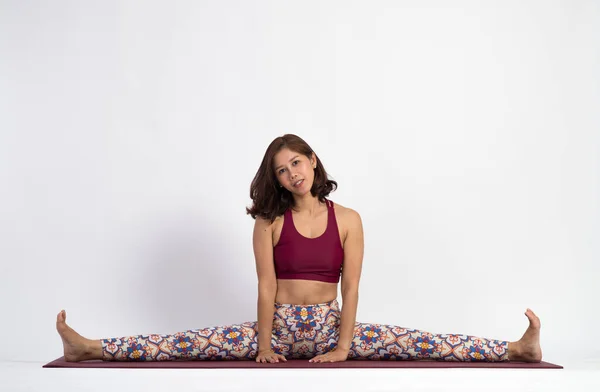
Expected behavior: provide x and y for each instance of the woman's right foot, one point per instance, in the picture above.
(76, 347)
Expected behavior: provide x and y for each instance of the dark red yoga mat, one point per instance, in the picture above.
(297, 363)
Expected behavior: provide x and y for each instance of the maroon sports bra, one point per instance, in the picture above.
(299, 257)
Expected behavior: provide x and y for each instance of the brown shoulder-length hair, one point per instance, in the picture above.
(269, 200)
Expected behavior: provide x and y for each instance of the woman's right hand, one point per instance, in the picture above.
(269, 356)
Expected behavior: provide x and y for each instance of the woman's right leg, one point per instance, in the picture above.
(230, 342)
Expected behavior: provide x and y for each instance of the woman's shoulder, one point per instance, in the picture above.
(344, 212)
(265, 222)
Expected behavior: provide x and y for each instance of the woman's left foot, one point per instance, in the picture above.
(529, 345)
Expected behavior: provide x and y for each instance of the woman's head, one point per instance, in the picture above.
(287, 160)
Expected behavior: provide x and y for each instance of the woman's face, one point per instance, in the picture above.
(292, 167)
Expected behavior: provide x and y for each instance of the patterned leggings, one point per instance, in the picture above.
(303, 332)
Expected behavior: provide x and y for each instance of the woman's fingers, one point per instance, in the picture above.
(272, 359)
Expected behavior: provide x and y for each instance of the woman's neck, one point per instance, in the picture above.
(308, 205)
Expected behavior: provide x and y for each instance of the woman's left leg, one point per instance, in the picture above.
(390, 342)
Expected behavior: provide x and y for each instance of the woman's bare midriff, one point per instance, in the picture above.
(307, 292)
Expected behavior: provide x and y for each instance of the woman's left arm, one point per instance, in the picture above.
(351, 270)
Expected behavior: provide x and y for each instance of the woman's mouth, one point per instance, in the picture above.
(299, 184)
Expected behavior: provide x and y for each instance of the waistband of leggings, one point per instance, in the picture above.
(322, 304)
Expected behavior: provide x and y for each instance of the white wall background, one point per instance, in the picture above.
(465, 133)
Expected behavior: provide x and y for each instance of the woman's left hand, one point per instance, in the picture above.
(337, 355)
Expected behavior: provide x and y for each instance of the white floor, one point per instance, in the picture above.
(30, 376)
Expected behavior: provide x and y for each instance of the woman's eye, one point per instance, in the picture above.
(281, 170)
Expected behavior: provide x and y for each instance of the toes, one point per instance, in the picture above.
(534, 320)
(529, 313)
(61, 317)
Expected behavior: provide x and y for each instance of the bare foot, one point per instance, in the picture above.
(75, 346)
(529, 345)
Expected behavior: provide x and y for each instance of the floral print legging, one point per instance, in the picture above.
(303, 332)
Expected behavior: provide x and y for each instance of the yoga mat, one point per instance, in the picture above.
(298, 363)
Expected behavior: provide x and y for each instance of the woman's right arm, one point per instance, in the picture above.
(267, 282)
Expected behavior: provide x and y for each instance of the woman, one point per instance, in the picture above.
(303, 243)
